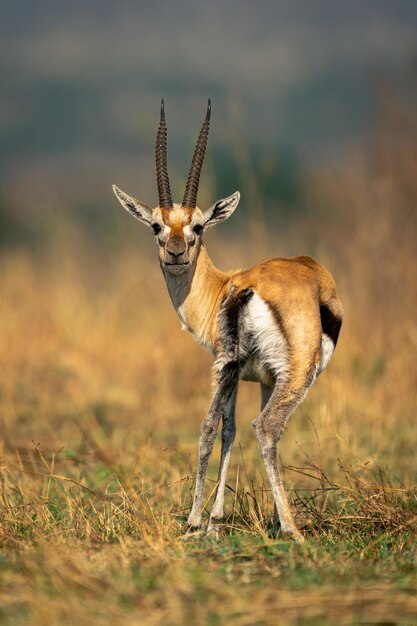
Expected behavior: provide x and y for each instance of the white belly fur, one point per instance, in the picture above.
(263, 344)
(266, 349)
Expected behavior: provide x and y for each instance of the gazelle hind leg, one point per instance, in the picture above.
(228, 437)
(268, 428)
(268, 435)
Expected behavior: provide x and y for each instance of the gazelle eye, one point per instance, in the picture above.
(156, 229)
(197, 229)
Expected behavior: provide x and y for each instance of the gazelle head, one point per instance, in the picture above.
(178, 228)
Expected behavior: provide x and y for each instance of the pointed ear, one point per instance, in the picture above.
(221, 210)
(139, 210)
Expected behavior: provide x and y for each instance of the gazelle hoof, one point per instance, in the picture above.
(293, 535)
(193, 532)
(213, 531)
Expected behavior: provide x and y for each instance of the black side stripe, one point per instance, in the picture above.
(229, 319)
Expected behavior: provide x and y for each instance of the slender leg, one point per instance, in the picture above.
(228, 437)
(268, 428)
(226, 370)
(227, 382)
(266, 393)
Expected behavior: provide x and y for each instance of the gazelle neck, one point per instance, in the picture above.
(197, 295)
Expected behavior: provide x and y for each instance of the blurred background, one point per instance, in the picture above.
(313, 121)
(293, 86)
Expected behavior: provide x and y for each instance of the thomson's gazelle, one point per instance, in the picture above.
(276, 323)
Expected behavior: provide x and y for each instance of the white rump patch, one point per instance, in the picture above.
(265, 344)
(326, 352)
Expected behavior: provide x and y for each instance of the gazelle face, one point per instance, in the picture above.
(178, 235)
(178, 228)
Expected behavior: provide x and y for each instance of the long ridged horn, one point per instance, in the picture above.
(164, 191)
(191, 189)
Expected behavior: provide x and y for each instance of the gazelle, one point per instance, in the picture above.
(276, 323)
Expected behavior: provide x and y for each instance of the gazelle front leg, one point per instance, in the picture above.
(228, 437)
(227, 382)
(266, 393)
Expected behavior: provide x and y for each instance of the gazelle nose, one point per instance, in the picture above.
(175, 253)
(176, 246)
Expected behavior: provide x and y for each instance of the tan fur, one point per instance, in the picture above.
(294, 288)
(200, 303)
(177, 218)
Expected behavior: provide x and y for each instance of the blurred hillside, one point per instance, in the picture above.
(292, 85)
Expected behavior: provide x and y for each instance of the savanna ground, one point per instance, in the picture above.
(101, 398)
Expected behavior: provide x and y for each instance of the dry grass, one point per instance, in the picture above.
(101, 398)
